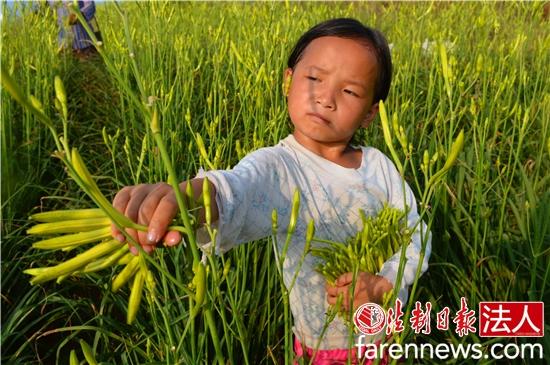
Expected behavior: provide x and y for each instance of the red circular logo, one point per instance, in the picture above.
(369, 318)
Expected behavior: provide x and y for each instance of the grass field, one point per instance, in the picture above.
(215, 69)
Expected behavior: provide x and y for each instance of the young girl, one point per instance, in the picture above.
(337, 73)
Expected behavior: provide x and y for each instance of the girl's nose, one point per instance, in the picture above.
(325, 98)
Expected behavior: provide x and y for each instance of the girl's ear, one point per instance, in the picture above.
(287, 80)
(370, 115)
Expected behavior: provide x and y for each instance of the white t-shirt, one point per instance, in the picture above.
(331, 195)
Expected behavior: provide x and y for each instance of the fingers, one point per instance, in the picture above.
(119, 203)
(333, 292)
(172, 238)
(160, 208)
(343, 292)
(344, 279)
(343, 287)
(138, 196)
(332, 299)
(343, 302)
(153, 206)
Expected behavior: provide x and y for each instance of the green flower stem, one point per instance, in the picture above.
(13, 89)
(131, 50)
(387, 136)
(214, 334)
(172, 180)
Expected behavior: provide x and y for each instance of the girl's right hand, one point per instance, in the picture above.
(151, 205)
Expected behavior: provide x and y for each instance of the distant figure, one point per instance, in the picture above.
(72, 34)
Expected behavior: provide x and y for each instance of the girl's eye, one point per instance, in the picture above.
(312, 78)
(350, 92)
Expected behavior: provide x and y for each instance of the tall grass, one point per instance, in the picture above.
(215, 69)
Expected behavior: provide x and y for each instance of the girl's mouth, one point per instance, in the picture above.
(318, 118)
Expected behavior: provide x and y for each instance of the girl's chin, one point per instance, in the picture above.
(317, 138)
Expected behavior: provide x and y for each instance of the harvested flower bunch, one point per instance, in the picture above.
(381, 237)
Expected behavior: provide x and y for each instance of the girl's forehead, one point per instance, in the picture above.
(342, 52)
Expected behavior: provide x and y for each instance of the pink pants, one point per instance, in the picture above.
(331, 357)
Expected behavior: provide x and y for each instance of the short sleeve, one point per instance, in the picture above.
(245, 195)
(399, 194)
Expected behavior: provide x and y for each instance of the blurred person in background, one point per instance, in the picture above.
(72, 34)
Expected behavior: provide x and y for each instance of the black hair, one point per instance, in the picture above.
(352, 29)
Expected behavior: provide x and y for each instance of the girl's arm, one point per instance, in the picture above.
(418, 251)
(155, 206)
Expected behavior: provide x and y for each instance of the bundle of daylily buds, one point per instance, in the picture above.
(78, 227)
(381, 237)
(84, 226)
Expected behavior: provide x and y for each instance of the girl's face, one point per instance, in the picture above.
(331, 91)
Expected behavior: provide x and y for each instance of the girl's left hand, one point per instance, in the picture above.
(368, 288)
